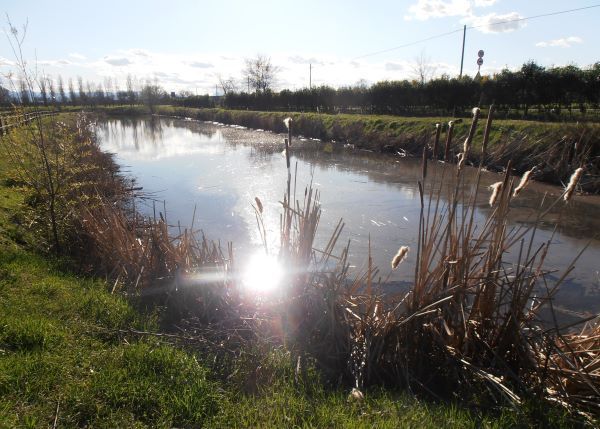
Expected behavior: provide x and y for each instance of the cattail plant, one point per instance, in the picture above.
(524, 181)
(438, 131)
(570, 189)
(259, 205)
(400, 256)
(461, 159)
(448, 140)
(496, 189)
(469, 139)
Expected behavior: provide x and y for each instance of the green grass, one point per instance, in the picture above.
(64, 358)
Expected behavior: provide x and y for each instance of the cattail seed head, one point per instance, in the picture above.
(259, 205)
(496, 188)
(356, 395)
(400, 256)
(288, 121)
(524, 181)
(461, 160)
(573, 183)
(475, 111)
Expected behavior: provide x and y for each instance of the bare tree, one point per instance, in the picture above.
(42, 174)
(72, 93)
(61, 90)
(423, 68)
(109, 90)
(82, 94)
(228, 85)
(52, 91)
(90, 93)
(130, 90)
(152, 93)
(42, 84)
(24, 92)
(260, 73)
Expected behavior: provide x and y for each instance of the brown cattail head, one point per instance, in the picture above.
(524, 181)
(400, 256)
(496, 188)
(573, 183)
(259, 205)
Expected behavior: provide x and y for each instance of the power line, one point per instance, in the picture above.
(437, 36)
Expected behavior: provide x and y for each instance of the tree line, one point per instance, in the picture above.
(531, 90)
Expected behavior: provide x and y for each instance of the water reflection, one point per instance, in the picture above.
(220, 170)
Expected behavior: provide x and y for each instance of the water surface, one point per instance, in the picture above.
(218, 170)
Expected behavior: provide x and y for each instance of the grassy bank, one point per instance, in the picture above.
(73, 354)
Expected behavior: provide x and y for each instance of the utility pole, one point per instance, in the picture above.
(462, 57)
(248, 84)
(310, 76)
(215, 90)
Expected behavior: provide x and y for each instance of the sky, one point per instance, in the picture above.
(188, 45)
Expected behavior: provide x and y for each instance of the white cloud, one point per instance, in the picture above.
(139, 52)
(181, 71)
(77, 56)
(565, 42)
(6, 62)
(423, 10)
(396, 66)
(200, 65)
(54, 63)
(299, 59)
(495, 23)
(117, 61)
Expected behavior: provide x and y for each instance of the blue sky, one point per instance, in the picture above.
(188, 44)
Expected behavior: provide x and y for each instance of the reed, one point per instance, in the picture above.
(470, 323)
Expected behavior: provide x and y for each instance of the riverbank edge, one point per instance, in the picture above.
(553, 149)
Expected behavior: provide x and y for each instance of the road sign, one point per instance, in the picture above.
(480, 53)
(479, 61)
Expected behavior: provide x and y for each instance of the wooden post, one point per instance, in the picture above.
(448, 141)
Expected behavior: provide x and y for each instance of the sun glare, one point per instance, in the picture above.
(263, 273)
